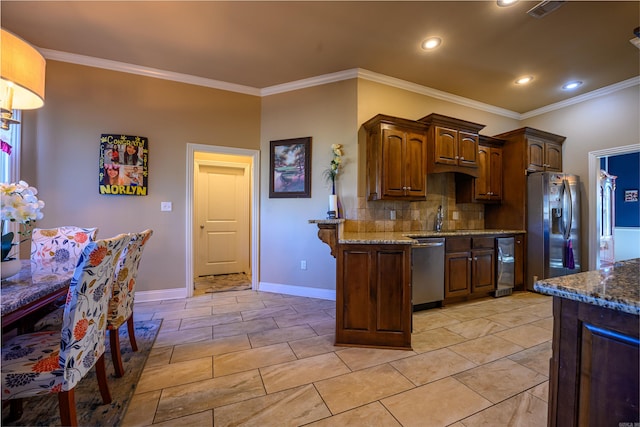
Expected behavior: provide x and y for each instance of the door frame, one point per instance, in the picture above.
(254, 207)
(594, 170)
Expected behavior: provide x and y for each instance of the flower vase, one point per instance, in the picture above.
(9, 268)
(333, 207)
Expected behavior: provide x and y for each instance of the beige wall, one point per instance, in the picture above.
(327, 114)
(62, 143)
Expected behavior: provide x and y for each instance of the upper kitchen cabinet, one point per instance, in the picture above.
(487, 187)
(452, 145)
(525, 150)
(542, 150)
(395, 159)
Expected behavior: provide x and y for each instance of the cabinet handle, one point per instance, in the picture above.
(461, 158)
(457, 157)
(469, 259)
(475, 258)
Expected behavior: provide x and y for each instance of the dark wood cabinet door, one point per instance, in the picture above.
(482, 182)
(535, 155)
(483, 274)
(467, 149)
(495, 176)
(446, 146)
(393, 162)
(553, 157)
(373, 296)
(457, 274)
(416, 171)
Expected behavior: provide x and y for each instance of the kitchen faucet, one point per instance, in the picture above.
(439, 219)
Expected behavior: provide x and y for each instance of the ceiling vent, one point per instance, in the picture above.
(544, 8)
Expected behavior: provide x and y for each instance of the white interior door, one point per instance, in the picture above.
(222, 219)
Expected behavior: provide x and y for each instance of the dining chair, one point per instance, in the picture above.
(61, 245)
(122, 297)
(55, 361)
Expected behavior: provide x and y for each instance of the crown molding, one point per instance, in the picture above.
(634, 81)
(108, 64)
(326, 79)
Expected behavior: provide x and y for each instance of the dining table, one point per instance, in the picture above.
(31, 290)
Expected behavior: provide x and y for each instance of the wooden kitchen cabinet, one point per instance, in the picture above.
(525, 150)
(487, 187)
(544, 156)
(396, 158)
(518, 263)
(469, 267)
(373, 296)
(452, 144)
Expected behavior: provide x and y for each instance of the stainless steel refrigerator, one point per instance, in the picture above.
(553, 225)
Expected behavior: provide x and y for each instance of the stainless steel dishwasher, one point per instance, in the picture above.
(427, 272)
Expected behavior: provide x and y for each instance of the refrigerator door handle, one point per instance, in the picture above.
(568, 210)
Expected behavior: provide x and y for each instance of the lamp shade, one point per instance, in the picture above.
(21, 67)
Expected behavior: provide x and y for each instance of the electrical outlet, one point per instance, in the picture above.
(166, 206)
(303, 264)
(392, 215)
(456, 216)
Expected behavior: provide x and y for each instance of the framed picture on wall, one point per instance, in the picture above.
(290, 168)
(123, 165)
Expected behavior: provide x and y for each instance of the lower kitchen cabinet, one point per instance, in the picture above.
(373, 296)
(469, 268)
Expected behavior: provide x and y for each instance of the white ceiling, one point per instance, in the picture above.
(263, 44)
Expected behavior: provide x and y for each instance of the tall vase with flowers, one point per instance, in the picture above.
(331, 175)
(19, 205)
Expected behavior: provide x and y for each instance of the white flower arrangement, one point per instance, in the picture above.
(19, 204)
(331, 174)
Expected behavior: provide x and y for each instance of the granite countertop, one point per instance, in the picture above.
(616, 287)
(405, 237)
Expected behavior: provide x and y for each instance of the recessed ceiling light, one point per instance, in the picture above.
(431, 43)
(571, 85)
(505, 3)
(524, 80)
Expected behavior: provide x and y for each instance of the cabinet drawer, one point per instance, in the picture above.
(483, 243)
(458, 244)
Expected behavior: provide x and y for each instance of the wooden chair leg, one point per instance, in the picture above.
(67, 404)
(116, 357)
(15, 410)
(101, 374)
(132, 335)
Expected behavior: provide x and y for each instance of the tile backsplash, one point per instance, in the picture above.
(418, 216)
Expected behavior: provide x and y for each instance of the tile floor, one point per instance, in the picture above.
(265, 359)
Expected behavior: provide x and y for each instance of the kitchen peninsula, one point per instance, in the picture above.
(373, 280)
(595, 364)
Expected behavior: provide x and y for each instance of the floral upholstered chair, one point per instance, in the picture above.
(121, 304)
(54, 362)
(60, 246)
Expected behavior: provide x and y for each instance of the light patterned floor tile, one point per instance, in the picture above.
(199, 419)
(499, 380)
(314, 346)
(436, 404)
(202, 395)
(211, 320)
(476, 328)
(293, 407)
(486, 349)
(373, 414)
(514, 318)
(170, 338)
(434, 365)
(361, 387)
(526, 335)
(521, 410)
(301, 372)
(200, 349)
(302, 319)
(361, 358)
(231, 329)
(434, 339)
(159, 377)
(429, 319)
(536, 358)
(142, 409)
(254, 358)
(275, 336)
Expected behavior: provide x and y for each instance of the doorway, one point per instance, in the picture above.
(594, 172)
(224, 239)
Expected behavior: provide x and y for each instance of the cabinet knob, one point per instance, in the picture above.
(469, 259)
(461, 158)
(457, 157)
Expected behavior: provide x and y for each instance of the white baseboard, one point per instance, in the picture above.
(299, 291)
(160, 294)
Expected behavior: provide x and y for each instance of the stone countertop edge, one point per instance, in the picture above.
(405, 237)
(616, 288)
